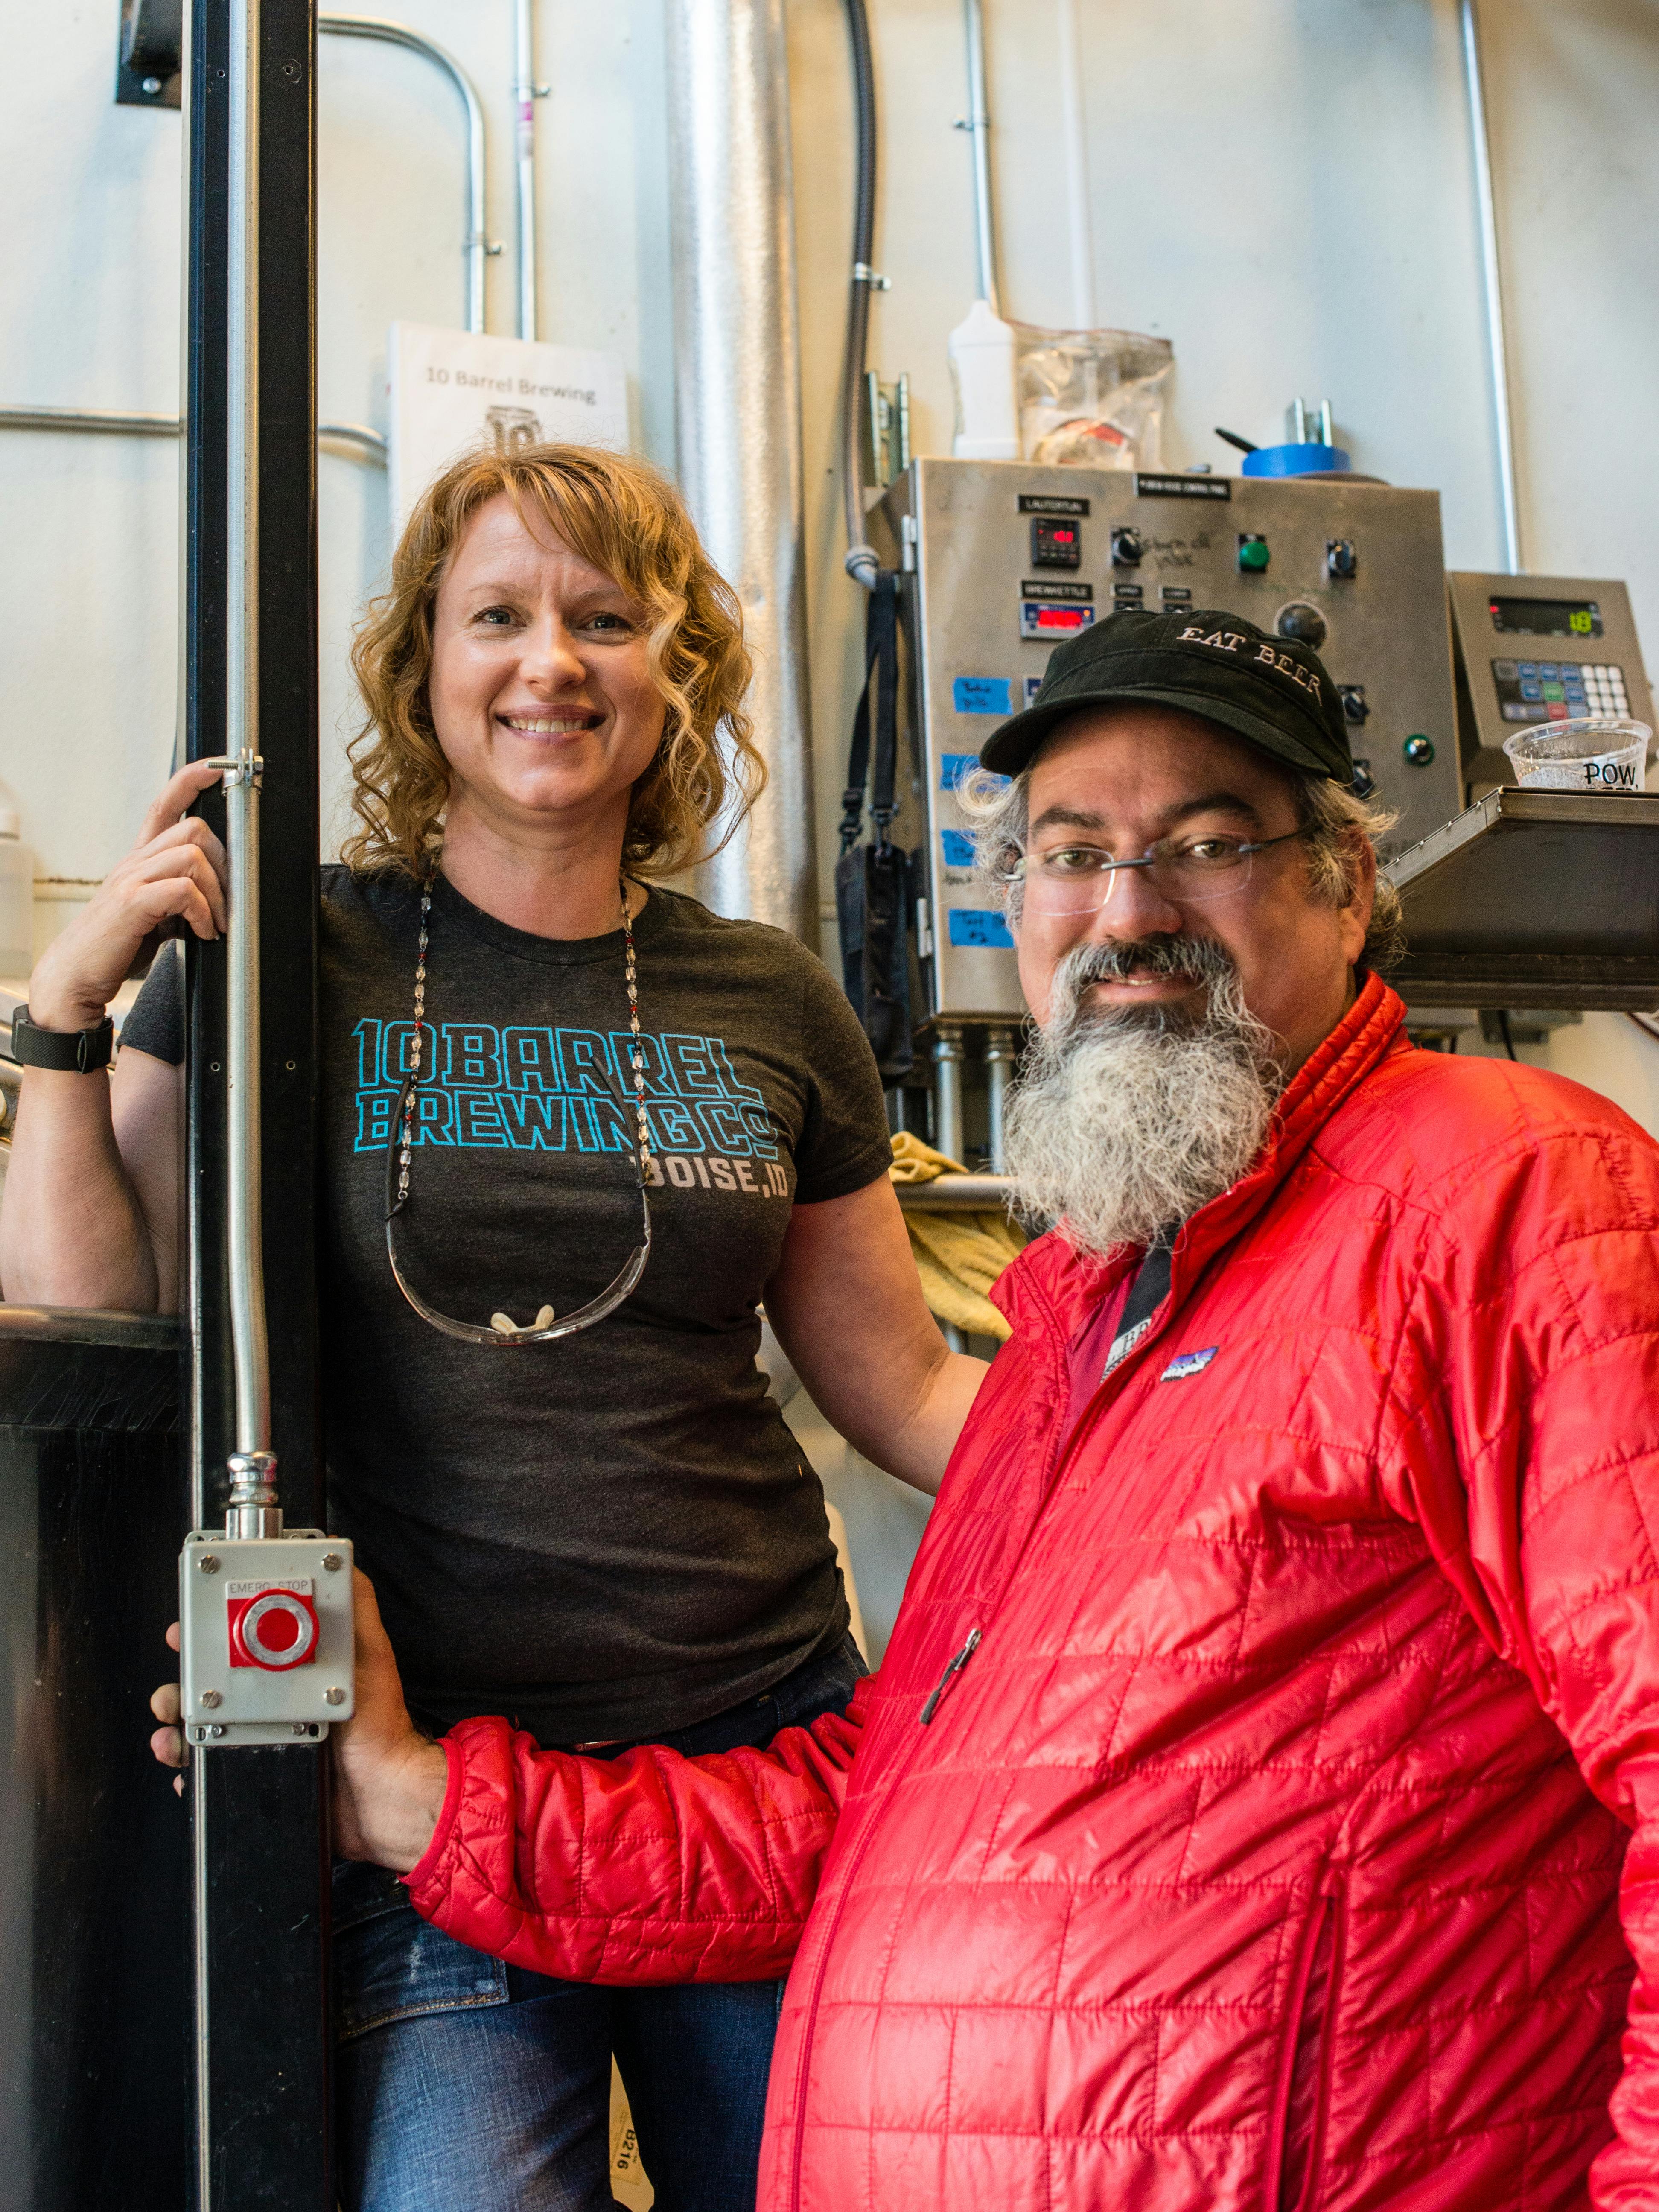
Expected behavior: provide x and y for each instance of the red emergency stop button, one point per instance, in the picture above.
(272, 1625)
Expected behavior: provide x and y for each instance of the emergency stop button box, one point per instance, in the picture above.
(265, 1637)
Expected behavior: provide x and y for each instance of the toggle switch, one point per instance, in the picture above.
(1341, 558)
(1128, 547)
(1353, 696)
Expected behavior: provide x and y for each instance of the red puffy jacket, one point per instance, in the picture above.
(1266, 1851)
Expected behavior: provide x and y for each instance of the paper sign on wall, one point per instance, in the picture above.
(453, 390)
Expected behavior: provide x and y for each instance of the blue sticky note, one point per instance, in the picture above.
(982, 695)
(958, 848)
(979, 929)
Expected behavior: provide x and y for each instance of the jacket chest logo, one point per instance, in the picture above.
(1188, 1363)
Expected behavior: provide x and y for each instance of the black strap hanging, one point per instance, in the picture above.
(873, 881)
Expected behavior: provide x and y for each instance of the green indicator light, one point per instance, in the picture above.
(1418, 750)
(1253, 555)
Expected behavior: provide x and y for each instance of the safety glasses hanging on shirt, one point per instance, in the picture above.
(545, 1328)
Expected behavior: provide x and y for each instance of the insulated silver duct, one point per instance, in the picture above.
(737, 351)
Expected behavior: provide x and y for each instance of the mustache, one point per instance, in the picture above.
(1114, 960)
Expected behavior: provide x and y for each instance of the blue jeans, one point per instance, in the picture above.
(467, 2085)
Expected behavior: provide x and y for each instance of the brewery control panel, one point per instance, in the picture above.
(1533, 649)
(1003, 561)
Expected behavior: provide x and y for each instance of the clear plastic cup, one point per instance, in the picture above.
(1598, 752)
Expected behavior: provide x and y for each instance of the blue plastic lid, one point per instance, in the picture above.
(1295, 461)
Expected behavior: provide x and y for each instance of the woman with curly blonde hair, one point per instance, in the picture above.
(575, 1127)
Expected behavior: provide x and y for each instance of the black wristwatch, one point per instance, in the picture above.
(70, 1052)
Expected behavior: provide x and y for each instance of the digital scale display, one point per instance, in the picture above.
(1547, 618)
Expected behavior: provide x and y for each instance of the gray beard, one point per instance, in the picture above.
(1125, 1122)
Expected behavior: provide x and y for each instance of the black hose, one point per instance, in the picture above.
(861, 561)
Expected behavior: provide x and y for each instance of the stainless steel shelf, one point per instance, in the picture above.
(1534, 898)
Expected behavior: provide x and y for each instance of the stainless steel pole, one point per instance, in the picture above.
(1492, 272)
(948, 1056)
(477, 248)
(524, 98)
(737, 358)
(977, 124)
(1001, 1053)
(253, 1507)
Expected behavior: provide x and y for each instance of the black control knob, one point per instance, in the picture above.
(1302, 621)
(1341, 558)
(1418, 750)
(1128, 547)
(1364, 783)
(1353, 696)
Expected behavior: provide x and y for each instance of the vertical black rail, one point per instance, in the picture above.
(259, 1816)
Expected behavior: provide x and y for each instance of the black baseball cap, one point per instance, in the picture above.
(1272, 690)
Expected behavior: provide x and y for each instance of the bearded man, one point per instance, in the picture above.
(1238, 1819)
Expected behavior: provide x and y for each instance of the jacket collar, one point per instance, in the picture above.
(1053, 1283)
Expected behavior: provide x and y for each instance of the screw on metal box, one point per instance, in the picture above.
(333, 1697)
(333, 1562)
(208, 1563)
(210, 1698)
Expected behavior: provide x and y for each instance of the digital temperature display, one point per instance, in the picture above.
(1547, 618)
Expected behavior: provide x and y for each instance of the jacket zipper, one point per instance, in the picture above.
(1063, 1450)
(949, 1674)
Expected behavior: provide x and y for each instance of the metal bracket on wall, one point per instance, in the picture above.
(150, 56)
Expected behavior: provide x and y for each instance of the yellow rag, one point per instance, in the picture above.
(958, 1256)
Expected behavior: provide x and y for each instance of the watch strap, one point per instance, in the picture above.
(69, 1052)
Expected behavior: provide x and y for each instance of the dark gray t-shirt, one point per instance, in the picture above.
(614, 1534)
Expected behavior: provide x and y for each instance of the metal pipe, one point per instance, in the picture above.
(251, 1464)
(477, 248)
(861, 561)
(977, 124)
(737, 350)
(1075, 122)
(78, 418)
(368, 442)
(948, 1056)
(524, 101)
(1001, 1052)
(1492, 271)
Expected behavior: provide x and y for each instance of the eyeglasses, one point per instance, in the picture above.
(1080, 879)
(545, 1328)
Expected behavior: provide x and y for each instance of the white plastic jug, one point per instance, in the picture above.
(16, 900)
(982, 352)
